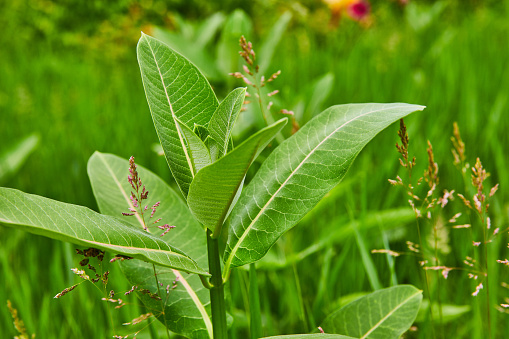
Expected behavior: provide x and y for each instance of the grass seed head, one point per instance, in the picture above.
(19, 325)
(458, 150)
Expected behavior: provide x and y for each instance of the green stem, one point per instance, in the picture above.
(217, 302)
(426, 280)
(486, 261)
(254, 304)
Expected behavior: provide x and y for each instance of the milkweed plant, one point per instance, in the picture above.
(177, 248)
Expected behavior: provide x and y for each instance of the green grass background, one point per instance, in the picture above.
(75, 82)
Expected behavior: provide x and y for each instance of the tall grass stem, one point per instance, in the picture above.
(255, 323)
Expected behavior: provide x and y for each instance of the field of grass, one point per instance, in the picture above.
(454, 61)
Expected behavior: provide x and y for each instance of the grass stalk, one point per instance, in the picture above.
(153, 331)
(369, 266)
(426, 280)
(486, 261)
(439, 299)
(255, 323)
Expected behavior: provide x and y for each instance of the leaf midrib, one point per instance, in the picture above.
(388, 315)
(177, 273)
(103, 244)
(196, 300)
(248, 229)
(177, 127)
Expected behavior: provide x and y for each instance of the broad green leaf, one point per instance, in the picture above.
(213, 189)
(300, 172)
(310, 336)
(187, 310)
(383, 314)
(175, 89)
(212, 147)
(199, 155)
(187, 307)
(201, 131)
(82, 226)
(221, 123)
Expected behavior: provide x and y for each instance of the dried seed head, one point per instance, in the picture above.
(139, 319)
(465, 201)
(462, 226)
(431, 173)
(403, 136)
(456, 216)
(120, 257)
(237, 75)
(389, 252)
(479, 176)
(65, 291)
(18, 323)
(166, 228)
(445, 198)
(477, 290)
(92, 252)
(493, 190)
(412, 247)
(131, 290)
(444, 270)
(287, 112)
(459, 146)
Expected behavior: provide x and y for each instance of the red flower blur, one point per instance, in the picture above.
(358, 10)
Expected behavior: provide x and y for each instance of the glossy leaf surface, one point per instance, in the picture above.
(175, 88)
(215, 186)
(300, 172)
(187, 307)
(82, 226)
(198, 153)
(223, 119)
(384, 314)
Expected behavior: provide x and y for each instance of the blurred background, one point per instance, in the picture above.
(70, 85)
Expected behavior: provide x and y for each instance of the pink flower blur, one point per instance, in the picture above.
(359, 10)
